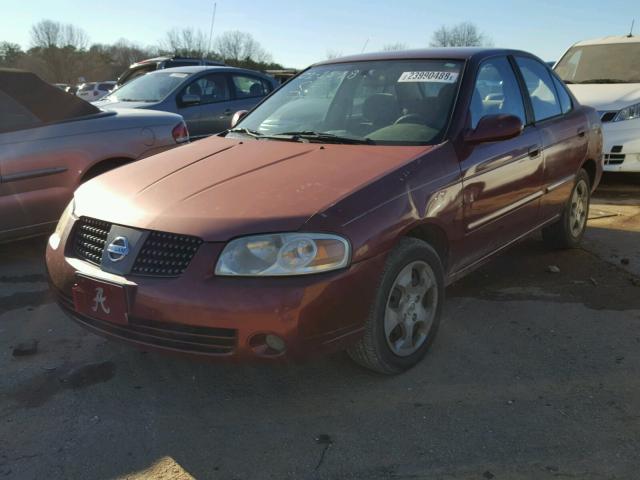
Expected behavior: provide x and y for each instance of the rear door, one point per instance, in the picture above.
(502, 181)
(212, 114)
(563, 133)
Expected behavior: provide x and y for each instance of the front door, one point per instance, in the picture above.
(502, 181)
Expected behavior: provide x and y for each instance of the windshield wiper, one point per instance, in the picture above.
(603, 80)
(246, 131)
(321, 137)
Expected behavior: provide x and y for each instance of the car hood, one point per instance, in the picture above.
(605, 97)
(220, 188)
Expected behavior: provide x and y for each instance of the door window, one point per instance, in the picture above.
(211, 89)
(249, 87)
(541, 90)
(496, 92)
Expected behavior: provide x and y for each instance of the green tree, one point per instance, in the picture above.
(10, 54)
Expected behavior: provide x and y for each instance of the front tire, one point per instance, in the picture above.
(406, 311)
(568, 231)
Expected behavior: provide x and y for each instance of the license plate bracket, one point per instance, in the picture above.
(102, 300)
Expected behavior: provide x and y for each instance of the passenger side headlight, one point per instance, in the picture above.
(67, 214)
(628, 113)
(282, 254)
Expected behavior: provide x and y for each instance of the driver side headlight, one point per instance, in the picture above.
(282, 254)
(629, 113)
(67, 215)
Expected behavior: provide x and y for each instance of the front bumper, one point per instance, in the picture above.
(621, 146)
(200, 314)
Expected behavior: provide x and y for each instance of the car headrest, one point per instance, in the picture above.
(256, 90)
(381, 108)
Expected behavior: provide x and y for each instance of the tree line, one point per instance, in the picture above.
(62, 53)
(464, 34)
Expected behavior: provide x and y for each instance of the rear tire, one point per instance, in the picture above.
(406, 310)
(568, 231)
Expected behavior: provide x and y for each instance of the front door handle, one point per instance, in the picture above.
(534, 151)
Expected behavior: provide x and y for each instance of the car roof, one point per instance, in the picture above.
(452, 53)
(174, 57)
(609, 40)
(205, 68)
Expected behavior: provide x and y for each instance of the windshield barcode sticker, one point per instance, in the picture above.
(441, 77)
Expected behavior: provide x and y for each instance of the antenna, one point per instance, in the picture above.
(631, 31)
(365, 45)
(213, 19)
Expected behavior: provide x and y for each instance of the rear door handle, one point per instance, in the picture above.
(581, 132)
(534, 151)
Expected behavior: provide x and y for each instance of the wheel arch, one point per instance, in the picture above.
(435, 236)
(590, 166)
(104, 166)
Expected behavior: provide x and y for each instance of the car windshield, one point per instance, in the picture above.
(152, 87)
(394, 102)
(606, 63)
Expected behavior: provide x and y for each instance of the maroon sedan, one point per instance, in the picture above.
(335, 213)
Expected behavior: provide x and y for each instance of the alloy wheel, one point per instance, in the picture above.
(411, 308)
(579, 208)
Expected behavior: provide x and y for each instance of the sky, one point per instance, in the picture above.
(300, 32)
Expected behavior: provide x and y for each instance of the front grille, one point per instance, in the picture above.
(162, 255)
(165, 254)
(614, 158)
(90, 238)
(177, 337)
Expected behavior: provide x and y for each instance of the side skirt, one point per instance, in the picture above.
(452, 277)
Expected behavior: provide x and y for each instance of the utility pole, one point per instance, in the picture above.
(365, 45)
(213, 19)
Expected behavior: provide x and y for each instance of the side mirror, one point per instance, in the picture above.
(190, 99)
(237, 117)
(493, 128)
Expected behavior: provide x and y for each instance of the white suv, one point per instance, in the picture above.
(95, 91)
(605, 74)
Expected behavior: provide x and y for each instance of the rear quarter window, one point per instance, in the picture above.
(14, 115)
(565, 99)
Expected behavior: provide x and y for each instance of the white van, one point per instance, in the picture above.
(605, 74)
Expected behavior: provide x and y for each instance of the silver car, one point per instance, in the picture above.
(206, 96)
(52, 141)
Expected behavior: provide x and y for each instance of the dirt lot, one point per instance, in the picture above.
(534, 375)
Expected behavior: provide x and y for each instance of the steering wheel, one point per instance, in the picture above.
(411, 118)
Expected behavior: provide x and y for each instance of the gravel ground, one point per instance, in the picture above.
(534, 375)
